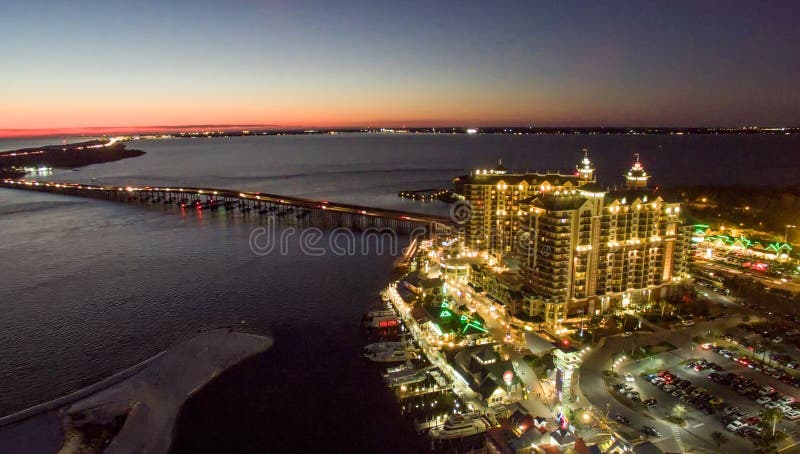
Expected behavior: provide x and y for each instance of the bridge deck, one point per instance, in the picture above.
(227, 194)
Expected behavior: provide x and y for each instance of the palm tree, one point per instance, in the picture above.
(719, 438)
(770, 419)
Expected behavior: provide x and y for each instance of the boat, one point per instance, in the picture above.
(390, 356)
(400, 377)
(383, 322)
(396, 369)
(379, 313)
(383, 346)
(459, 426)
(408, 379)
(381, 318)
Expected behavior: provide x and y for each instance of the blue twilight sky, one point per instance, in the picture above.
(336, 63)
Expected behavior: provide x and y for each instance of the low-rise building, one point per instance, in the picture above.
(486, 373)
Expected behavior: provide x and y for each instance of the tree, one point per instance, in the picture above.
(770, 419)
(719, 438)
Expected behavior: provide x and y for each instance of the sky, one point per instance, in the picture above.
(114, 63)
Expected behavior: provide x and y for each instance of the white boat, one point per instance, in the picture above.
(416, 377)
(390, 356)
(383, 346)
(459, 426)
(403, 374)
(396, 369)
(379, 313)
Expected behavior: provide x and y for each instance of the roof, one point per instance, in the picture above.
(483, 378)
(537, 344)
(632, 194)
(593, 187)
(420, 315)
(562, 436)
(530, 437)
(416, 279)
(449, 320)
(516, 178)
(555, 202)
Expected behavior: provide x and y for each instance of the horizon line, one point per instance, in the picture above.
(150, 129)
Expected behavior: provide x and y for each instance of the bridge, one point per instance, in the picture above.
(315, 212)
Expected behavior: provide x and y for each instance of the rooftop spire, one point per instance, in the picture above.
(637, 177)
(585, 168)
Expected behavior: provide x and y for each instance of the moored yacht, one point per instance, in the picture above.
(459, 426)
(390, 356)
(383, 346)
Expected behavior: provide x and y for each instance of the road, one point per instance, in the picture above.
(768, 281)
(498, 324)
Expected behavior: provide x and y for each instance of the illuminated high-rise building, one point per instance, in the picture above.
(580, 247)
(495, 194)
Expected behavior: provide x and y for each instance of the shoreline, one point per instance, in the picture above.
(147, 397)
(70, 156)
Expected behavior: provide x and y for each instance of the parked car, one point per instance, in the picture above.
(735, 425)
(622, 419)
(730, 410)
(650, 430)
(628, 377)
(792, 415)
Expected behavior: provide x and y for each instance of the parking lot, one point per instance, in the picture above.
(710, 405)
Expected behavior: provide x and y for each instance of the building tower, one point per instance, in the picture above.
(637, 177)
(586, 169)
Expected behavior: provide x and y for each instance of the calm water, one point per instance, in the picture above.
(90, 287)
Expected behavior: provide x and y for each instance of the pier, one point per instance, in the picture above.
(322, 213)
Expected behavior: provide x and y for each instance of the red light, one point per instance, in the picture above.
(565, 342)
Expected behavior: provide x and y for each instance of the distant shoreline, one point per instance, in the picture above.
(245, 130)
(70, 156)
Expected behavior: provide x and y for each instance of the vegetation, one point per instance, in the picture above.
(770, 420)
(764, 208)
(719, 439)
